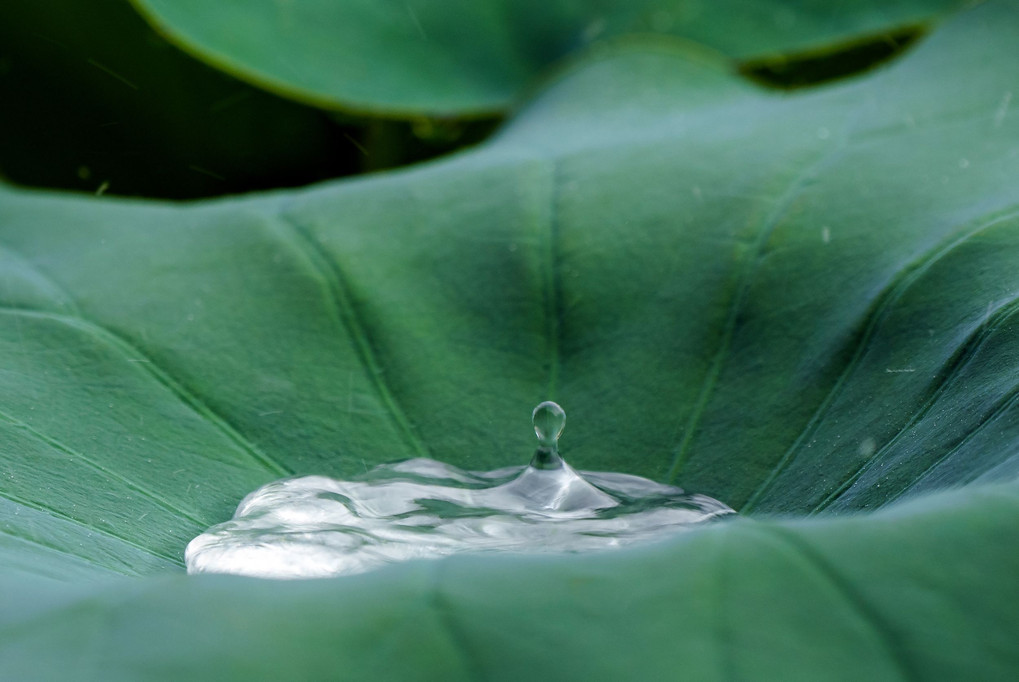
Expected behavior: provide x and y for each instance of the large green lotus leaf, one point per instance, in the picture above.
(469, 56)
(797, 304)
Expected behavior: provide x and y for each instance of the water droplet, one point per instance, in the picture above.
(315, 526)
(549, 420)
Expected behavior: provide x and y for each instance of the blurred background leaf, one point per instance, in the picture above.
(467, 57)
(94, 100)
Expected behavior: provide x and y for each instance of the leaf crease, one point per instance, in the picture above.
(338, 293)
(743, 283)
(95, 466)
(874, 317)
(949, 374)
(51, 511)
(552, 275)
(148, 365)
(885, 635)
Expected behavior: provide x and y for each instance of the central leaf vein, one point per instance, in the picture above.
(337, 291)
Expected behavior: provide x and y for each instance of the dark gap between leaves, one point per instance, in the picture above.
(790, 72)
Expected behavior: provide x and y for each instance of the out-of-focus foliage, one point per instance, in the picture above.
(94, 100)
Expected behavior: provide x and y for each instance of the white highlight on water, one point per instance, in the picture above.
(314, 526)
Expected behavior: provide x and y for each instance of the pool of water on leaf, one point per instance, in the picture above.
(315, 526)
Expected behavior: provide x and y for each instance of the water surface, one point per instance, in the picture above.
(314, 526)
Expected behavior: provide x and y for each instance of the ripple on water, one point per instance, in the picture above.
(314, 526)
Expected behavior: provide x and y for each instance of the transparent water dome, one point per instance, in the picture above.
(316, 527)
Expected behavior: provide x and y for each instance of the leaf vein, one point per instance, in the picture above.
(1010, 400)
(338, 293)
(885, 635)
(444, 614)
(90, 463)
(56, 550)
(146, 364)
(744, 279)
(553, 287)
(948, 376)
(876, 314)
(51, 511)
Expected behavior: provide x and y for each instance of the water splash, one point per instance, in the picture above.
(314, 526)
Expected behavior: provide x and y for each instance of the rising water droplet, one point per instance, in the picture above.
(315, 526)
(549, 420)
